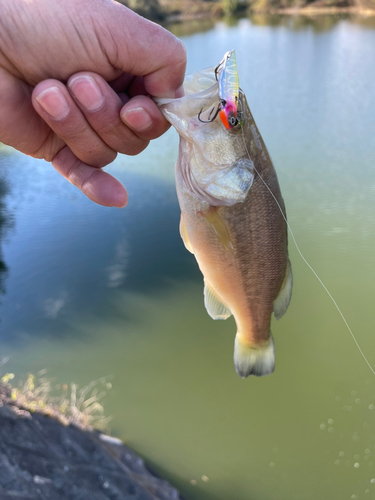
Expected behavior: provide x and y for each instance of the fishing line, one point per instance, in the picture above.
(308, 265)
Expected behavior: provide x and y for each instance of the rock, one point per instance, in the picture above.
(40, 459)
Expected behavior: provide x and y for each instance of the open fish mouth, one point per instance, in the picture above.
(210, 117)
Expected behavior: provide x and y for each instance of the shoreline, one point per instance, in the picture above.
(178, 11)
(44, 454)
(307, 11)
(324, 10)
(210, 10)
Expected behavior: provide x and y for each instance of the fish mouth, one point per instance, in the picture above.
(201, 90)
(200, 82)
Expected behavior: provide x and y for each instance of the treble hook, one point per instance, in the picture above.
(216, 71)
(221, 103)
(209, 116)
(240, 112)
(222, 63)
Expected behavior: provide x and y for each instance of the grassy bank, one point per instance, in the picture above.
(185, 10)
(66, 403)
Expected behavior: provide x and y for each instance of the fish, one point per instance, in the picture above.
(233, 216)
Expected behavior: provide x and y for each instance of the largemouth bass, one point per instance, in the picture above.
(232, 213)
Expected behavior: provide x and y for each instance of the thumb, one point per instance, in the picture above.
(143, 48)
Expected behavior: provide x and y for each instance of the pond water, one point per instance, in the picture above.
(90, 291)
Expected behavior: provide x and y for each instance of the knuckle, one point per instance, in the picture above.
(108, 126)
(49, 147)
(88, 181)
(100, 158)
(89, 148)
(177, 55)
(74, 174)
(180, 54)
(133, 148)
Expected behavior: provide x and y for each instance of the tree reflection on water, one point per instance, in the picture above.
(6, 222)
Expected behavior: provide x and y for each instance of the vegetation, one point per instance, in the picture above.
(181, 10)
(66, 403)
(161, 10)
(147, 8)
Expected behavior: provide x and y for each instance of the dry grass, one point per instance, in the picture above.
(66, 403)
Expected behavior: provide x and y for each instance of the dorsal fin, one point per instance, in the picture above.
(281, 303)
(215, 306)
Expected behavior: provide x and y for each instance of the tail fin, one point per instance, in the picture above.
(254, 359)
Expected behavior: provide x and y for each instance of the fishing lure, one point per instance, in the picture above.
(229, 93)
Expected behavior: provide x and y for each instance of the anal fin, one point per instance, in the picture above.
(281, 303)
(215, 307)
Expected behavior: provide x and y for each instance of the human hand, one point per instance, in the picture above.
(80, 122)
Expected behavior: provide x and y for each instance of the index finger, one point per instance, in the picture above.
(143, 48)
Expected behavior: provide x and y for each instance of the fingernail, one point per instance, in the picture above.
(87, 92)
(54, 103)
(137, 119)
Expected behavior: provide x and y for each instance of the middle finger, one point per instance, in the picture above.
(101, 107)
(52, 101)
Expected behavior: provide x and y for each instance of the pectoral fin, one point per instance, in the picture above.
(184, 235)
(215, 307)
(281, 302)
(216, 224)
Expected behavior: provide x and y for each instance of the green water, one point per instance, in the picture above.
(91, 291)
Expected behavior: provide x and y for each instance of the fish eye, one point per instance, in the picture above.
(233, 121)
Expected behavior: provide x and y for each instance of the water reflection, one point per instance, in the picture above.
(318, 23)
(67, 272)
(6, 222)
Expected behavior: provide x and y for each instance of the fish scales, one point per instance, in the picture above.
(230, 220)
(262, 268)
